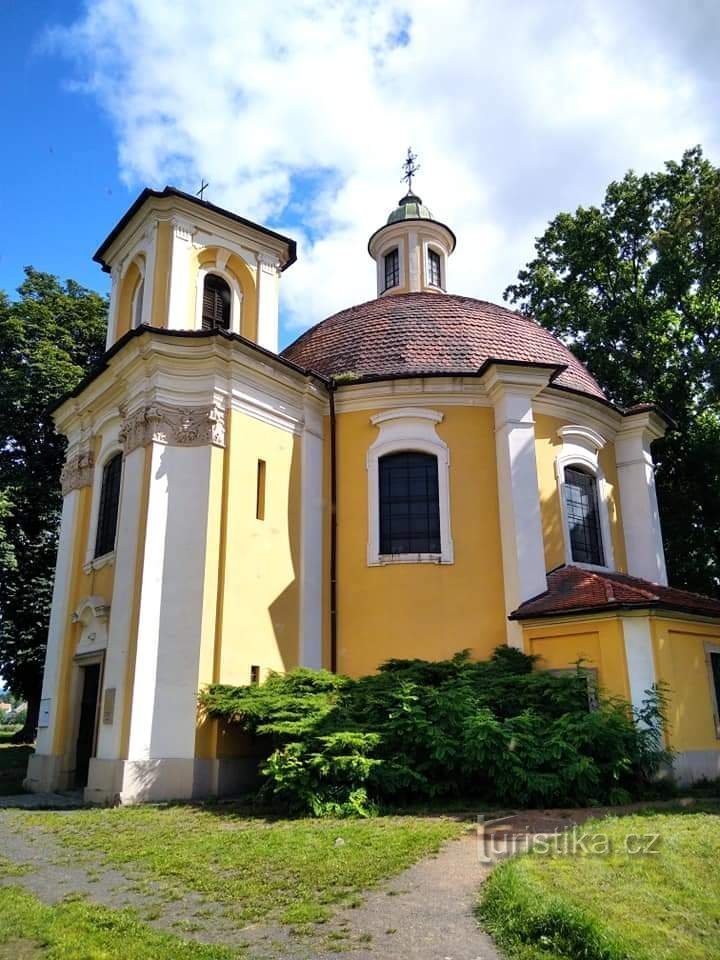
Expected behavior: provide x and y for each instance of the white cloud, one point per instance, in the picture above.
(299, 113)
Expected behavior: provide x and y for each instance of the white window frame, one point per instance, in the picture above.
(408, 429)
(236, 292)
(711, 647)
(428, 245)
(392, 244)
(581, 447)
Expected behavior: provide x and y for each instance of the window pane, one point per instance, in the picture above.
(409, 504)
(392, 269)
(108, 510)
(434, 269)
(583, 517)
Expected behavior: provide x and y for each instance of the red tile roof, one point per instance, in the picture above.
(573, 590)
(427, 333)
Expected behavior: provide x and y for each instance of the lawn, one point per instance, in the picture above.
(13, 763)
(78, 930)
(292, 871)
(661, 904)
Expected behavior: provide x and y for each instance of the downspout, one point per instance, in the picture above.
(333, 530)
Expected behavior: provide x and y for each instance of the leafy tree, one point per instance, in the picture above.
(633, 287)
(49, 338)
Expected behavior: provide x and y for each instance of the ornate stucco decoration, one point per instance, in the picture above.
(175, 426)
(77, 471)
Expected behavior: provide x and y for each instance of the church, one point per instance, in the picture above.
(414, 475)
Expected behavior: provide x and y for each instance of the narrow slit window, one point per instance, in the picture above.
(392, 269)
(409, 504)
(254, 675)
(216, 303)
(260, 496)
(583, 517)
(108, 510)
(434, 269)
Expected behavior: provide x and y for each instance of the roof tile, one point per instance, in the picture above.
(572, 589)
(429, 333)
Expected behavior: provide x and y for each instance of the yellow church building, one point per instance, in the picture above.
(415, 475)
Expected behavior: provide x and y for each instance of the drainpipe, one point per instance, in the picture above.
(333, 531)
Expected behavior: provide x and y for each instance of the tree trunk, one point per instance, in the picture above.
(29, 730)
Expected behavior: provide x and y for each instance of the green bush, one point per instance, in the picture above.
(420, 730)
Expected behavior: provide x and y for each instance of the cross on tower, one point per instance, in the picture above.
(410, 168)
(203, 187)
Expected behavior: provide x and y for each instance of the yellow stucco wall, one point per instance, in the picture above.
(681, 664)
(598, 642)
(161, 275)
(421, 610)
(259, 619)
(547, 447)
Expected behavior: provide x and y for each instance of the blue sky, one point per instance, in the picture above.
(299, 115)
(59, 186)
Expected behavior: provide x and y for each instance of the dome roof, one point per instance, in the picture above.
(410, 207)
(431, 333)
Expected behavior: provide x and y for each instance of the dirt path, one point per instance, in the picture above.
(424, 913)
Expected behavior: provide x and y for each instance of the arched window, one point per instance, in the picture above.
(108, 510)
(392, 269)
(216, 303)
(583, 516)
(409, 503)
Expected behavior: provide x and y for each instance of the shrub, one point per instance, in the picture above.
(419, 730)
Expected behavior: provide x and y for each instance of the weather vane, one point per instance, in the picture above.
(203, 187)
(410, 168)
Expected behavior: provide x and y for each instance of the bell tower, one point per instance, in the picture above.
(182, 263)
(411, 249)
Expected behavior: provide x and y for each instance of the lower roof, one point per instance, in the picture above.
(574, 589)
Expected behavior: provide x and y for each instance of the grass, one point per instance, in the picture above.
(78, 930)
(288, 870)
(13, 762)
(660, 905)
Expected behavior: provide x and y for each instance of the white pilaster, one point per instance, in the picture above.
(268, 294)
(638, 499)
(511, 390)
(60, 613)
(121, 606)
(639, 658)
(149, 275)
(113, 308)
(310, 647)
(174, 603)
(180, 317)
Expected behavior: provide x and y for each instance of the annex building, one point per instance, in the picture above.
(414, 475)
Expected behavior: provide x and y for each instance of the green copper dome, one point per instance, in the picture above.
(410, 207)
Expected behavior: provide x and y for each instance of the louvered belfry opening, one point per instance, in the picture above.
(216, 303)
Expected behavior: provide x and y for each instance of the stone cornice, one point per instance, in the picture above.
(77, 471)
(174, 426)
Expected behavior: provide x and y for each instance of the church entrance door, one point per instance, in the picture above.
(87, 726)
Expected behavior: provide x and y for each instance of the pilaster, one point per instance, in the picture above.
(311, 538)
(638, 497)
(176, 617)
(268, 290)
(180, 317)
(511, 390)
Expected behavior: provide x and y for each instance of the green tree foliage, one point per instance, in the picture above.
(50, 337)
(420, 730)
(633, 287)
